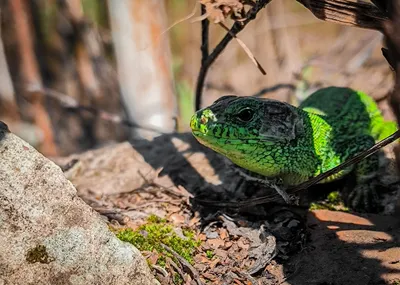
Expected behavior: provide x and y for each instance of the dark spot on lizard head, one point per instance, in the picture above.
(248, 118)
(243, 128)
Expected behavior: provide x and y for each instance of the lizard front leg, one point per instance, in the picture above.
(364, 197)
(273, 183)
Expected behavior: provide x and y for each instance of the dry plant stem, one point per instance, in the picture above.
(235, 29)
(246, 50)
(276, 87)
(205, 25)
(72, 104)
(31, 75)
(186, 265)
(276, 198)
(176, 268)
(347, 12)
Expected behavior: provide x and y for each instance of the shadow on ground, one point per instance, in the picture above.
(343, 248)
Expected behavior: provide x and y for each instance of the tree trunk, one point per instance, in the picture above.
(30, 73)
(144, 63)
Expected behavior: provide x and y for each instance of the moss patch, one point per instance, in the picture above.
(38, 254)
(151, 236)
(333, 202)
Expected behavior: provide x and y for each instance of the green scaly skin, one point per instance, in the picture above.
(278, 140)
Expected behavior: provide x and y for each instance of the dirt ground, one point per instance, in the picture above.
(267, 244)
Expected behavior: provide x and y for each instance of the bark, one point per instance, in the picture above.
(30, 73)
(347, 12)
(144, 62)
(8, 105)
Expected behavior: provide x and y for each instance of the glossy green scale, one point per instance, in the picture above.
(276, 139)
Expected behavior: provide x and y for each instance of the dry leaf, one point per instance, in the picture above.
(177, 219)
(218, 10)
(215, 242)
(223, 233)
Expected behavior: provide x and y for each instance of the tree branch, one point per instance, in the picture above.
(235, 29)
(276, 198)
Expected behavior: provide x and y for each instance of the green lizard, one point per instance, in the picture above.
(278, 140)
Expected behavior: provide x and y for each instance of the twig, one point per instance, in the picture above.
(160, 269)
(246, 50)
(176, 268)
(205, 25)
(274, 88)
(235, 29)
(151, 183)
(351, 161)
(186, 265)
(71, 104)
(303, 186)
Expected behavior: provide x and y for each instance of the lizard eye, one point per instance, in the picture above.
(245, 115)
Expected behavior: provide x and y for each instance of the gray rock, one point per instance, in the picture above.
(48, 235)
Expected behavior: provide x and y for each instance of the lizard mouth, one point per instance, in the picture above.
(202, 130)
(210, 137)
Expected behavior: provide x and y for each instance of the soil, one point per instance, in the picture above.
(265, 244)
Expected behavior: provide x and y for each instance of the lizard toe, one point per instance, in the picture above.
(364, 198)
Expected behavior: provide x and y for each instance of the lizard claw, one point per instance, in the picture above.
(289, 199)
(364, 198)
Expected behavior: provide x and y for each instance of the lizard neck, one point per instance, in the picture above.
(307, 153)
(295, 161)
(324, 144)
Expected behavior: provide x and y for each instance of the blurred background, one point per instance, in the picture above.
(78, 74)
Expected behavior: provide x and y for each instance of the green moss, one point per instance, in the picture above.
(321, 206)
(334, 198)
(209, 254)
(156, 219)
(38, 254)
(333, 202)
(178, 279)
(151, 236)
(327, 206)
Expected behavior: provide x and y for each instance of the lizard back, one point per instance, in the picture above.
(350, 112)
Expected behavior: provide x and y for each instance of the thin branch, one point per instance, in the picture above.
(276, 198)
(246, 50)
(235, 29)
(71, 104)
(274, 88)
(205, 25)
(186, 265)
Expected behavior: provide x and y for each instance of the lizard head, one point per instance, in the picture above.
(244, 128)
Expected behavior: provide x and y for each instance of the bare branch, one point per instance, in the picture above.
(276, 198)
(235, 29)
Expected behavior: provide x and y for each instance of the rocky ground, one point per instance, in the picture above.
(270, 244)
